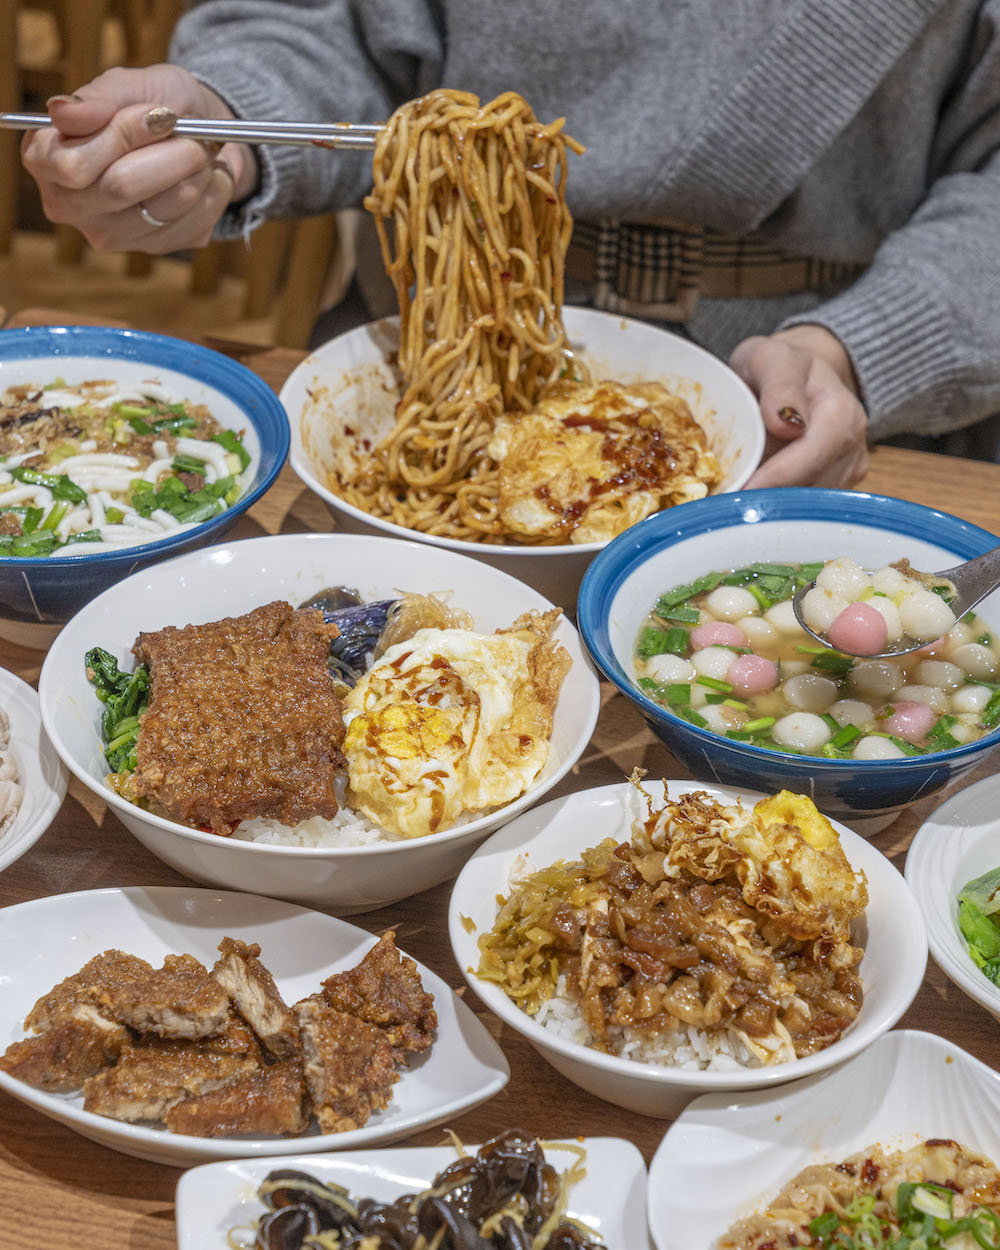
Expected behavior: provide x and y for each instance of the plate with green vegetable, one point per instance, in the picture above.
(953, 869)
(897, 1133)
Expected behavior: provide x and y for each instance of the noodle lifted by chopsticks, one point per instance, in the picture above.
(480, 227)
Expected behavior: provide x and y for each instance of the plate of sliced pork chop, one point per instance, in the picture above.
(187, 1025)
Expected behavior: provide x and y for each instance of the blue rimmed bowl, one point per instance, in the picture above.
(38, 595)
(785, 525)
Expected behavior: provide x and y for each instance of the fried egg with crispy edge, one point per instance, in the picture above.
(451, 722)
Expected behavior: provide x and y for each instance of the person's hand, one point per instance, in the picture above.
(110, 167)
(816, 425)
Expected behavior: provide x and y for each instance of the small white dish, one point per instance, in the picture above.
(956, 843)
(347, 389)
(905, 1088)
(891, 932)
(234, 578)
(43, 941)
(42, 777)
(610, 1199)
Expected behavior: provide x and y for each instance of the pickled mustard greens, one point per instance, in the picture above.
(726, 653)
(979, 920)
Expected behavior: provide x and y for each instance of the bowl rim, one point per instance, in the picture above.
(619, 559)
(21, 836)
(933, 854)
(298, 462)
(121, 343)
(469, 830)
(860, 852)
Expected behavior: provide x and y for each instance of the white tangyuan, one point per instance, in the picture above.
(966, 731)
(931, 696)
(729, 603)
(782, 617)
(720, 719)
(890, 581)
(970, 699)
(877, 749)
(667, 668)
(875, 678)
(852, 712)
(757, 631)
(925, 615)
(802, 731)
(810, 692)
(959, 634)
(939, 673)
(843, 578)
(890, 614)
(712, 662)
(975, 659)
(821, 607)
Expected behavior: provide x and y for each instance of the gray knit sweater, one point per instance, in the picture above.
(851, 130)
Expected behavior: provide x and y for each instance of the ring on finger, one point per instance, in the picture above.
(148, 217)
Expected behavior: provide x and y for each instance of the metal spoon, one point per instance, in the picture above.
(973, 581)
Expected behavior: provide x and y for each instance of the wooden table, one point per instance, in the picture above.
(56, 1187)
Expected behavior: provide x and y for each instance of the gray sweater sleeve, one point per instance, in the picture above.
(922, 324)
(314, 60)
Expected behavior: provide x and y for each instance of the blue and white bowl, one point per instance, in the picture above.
(39, 594)
(784, 525)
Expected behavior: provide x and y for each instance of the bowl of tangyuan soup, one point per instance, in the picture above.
(690, 615)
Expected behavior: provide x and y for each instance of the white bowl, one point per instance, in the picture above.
(42, 776)
(350, 383)
(230, 580)
(955, 844)
(891, 931)
(610, 1199)
(906, 1088)
(48, 939)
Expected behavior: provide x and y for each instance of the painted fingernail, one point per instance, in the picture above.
(64, 99)
(790, 415)
(160, 120)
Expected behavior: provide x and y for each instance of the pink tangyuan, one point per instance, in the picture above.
(909, 720)
(717, 633)
(859, 630)
(752, 674)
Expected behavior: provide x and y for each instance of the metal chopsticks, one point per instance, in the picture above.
(299, 134)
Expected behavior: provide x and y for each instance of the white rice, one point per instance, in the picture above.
(696, 1050)
(347, 828)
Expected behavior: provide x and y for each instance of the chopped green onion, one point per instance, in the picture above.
(845, 737)
(762, 722)
(233, 443)
(690, 615)
(713, 683)
(677, 641)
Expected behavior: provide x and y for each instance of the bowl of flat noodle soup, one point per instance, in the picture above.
(487, 418)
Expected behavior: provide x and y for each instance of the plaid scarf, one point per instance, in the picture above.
(659, 271)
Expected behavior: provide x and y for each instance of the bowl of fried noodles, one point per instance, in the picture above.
(487, 418)
(655, 941)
